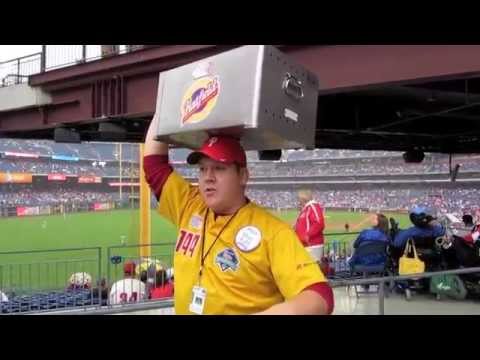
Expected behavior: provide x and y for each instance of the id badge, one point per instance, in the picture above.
(198, 300)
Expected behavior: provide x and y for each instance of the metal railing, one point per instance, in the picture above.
(160, 306)
(99, 308)
(16, 71)
(39, 280)
(168, 304)
(118, 255)
(385, 279)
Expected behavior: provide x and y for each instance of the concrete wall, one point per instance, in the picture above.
(22, 96)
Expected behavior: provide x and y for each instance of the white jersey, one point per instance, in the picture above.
(127, 291)
(3, 297)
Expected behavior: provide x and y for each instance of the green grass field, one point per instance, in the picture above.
(36, 266)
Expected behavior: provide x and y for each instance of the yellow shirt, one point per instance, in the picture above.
(256, 262)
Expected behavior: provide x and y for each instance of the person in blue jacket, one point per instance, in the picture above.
(424, 226)
(379, 232)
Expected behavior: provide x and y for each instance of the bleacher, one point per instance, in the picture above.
(50, 301)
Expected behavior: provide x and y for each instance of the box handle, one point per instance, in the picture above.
(292, 86)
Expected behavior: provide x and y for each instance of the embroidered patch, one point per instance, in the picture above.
(227, 259)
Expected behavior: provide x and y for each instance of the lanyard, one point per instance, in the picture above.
(214, 241)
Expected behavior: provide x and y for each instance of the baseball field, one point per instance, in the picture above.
(33, 255)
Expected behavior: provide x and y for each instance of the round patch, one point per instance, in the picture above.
(199, 99)
(248, 238)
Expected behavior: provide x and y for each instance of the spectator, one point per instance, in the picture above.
(163, 287)
(424, 226)
(379, 232)
(310, 224)
(129, 289)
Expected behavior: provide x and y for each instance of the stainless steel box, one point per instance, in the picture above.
(254, 92)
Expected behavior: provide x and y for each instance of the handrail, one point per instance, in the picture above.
(20, 58)
(365, 281)
(381, 281)
(115, 309)
(152, 305)
(48, 251)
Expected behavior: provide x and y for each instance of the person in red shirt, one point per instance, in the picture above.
(163, 287)
(310, 224)
(467, 245)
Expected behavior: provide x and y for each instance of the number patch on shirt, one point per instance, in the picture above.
(187, 242)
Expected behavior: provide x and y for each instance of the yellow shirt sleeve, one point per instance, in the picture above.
(292, 266)
(176, 193)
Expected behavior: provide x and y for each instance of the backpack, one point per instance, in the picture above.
(448, 285)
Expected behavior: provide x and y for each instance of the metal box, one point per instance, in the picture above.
(254, 92)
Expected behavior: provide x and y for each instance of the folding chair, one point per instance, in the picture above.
(368, 250)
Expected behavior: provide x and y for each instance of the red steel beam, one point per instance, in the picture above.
(339, 68)
(353, 67)
(147, 60)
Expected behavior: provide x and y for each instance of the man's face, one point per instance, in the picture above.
(222, 186)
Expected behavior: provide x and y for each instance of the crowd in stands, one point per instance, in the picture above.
(81, 168)
(292, 155)
(364, 166)
(30, 197)
(445, 200)
(86, 150)
(103, 160)
(386, 166)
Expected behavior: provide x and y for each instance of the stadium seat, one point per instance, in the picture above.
(366, 271)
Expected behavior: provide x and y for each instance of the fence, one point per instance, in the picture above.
(40, 280)
(39, 285)
(16, 71)
(161, 256)
(33, 281)
(381, 281)
(30, 279)
(160, 307)
(165, 306)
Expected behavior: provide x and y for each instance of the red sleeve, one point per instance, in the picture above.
(326, 292)
(300, 227)
(157, 169)
(317, 225)
(473, 236)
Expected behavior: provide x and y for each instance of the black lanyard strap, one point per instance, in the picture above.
(214, 241)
